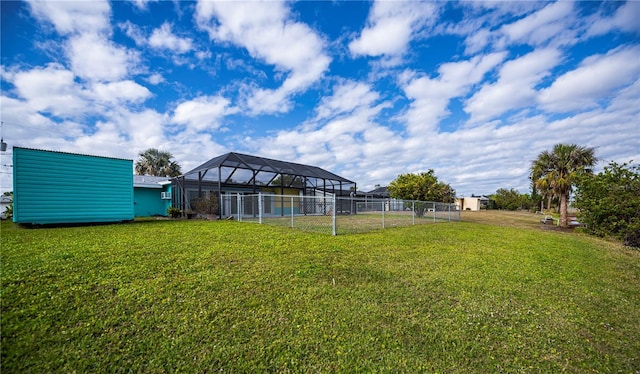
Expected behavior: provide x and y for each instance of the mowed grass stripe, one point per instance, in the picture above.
(202, 296)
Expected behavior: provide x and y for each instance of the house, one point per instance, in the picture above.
(233, 173)
(472, 203)
(151, 195)
(378, 193)
(56, 187)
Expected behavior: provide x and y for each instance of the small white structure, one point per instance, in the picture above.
(472, 203)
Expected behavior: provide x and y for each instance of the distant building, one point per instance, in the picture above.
(472, 203)
(378, 193)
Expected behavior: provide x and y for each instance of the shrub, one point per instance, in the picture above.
(207, 204)
(8, 212)
(174, 212)
(609, 203)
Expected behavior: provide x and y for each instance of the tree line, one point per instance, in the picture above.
(607, 203)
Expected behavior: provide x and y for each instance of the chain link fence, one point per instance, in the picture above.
(335, 215)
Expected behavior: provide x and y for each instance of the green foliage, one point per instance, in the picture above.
(207, 204)
(8, 211)
(510, 200)
(609, 202)
(421, 186)
(223, 296)
(174, 212)
(157, 163)
(556, 172)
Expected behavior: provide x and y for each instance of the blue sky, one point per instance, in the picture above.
(368, 90)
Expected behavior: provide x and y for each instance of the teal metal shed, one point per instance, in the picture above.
(56, 187)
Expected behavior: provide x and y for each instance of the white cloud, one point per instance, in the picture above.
(50, 89)
(142, 4)
(343, 133)
(499, 10)
(515, 86)
(347, 97)
(482, 22)
(203, 55)
(87, 25)
(93, 57)
(477, 41)
(268, 33)
(143, 129)
(70, 17)
(391, 26)
(123, 91)
(134, 32)
(53, 89)
(592, 81)
(264, 100)
(541, 26)
(163, 38)
(203, 113)
(431, 96)
(625, 18)
(155, 79)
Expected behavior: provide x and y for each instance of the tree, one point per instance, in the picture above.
(8, 211)
(609, 202)
(423, 187)
(510, 199)
(157, 163)
(541, 186)
(559, 170)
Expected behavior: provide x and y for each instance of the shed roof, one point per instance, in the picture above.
(150, 181)
(263, 164)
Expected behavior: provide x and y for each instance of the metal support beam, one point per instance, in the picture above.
(220, 192)
(282, 195)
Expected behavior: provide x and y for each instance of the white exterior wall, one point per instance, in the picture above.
(468, 203)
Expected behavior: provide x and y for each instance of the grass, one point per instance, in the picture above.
(357, 223)
(491, 293)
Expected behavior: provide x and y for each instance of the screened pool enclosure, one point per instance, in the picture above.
(234, 174)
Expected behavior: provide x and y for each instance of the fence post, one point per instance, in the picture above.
(291, 211)
(384, 202)
(449, 212)
(413, 212)
(434, 212)
(260, 207)
(335, 231)
(238, 205)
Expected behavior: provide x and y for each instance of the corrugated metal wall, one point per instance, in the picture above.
(148, 201)
(55, 187)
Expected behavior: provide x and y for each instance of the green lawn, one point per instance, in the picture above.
(196, 296)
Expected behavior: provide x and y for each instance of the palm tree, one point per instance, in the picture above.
(541, 185)
(556, 171)
(157, 163)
